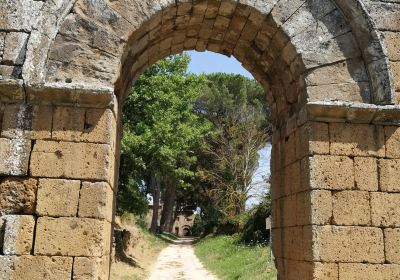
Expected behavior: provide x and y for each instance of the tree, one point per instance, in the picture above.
(161, 130)
(241, 125)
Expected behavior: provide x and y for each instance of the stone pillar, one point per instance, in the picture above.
(56, 191)
(336, 194)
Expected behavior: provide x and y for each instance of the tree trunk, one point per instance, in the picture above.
(169, 200)
(155, 186)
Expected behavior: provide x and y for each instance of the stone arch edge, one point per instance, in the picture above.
(32, 86)
(373, 49)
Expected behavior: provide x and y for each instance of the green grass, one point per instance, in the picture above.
(168, 235)
(230, 261)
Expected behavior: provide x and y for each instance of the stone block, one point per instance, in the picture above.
(389, 175)
(27, 121)
(289, 148)
(308, 243)
(11, 90)
(227, 9)
(35, 268)
(292, 178)
(276, 151)
(14, 156)
(392, 141)
(277, 247)
(357, 271)
(19, 16)
(352, 92)
(328, 172)
(292, 242)
(349, 71)
(10, 72)
(314, 207)
(68, 123)
(100, 127)
(57, 197)
(332, 244)
(392, 40)
(298, 270)
(348, 244)
(366, 173)
(289, 210)
(313, 139)
(396, 74)
(17, 196)
(91, 268)
(2, 39)
(325, 271)
(15, 48)
(277, 213)
(2, 229)
(2, 106)
(392, 241)
(385, 209)
(367, 245)
(356, 139)
(72, 237)
(72, 160)
(351, 208)
(96, 201)
(320, 207)
(18, 235)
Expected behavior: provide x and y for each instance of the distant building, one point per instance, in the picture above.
(184, 222)
(184, 219)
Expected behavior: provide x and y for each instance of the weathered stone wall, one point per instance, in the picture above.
(56, 191)
(289, 46)
(386, 16)
(335, 195)
(66, 65)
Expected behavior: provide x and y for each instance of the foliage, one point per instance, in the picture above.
(199, 134)
(229, 260)
(253, 230)
(198, 227)
(237, 108)
(160, 131)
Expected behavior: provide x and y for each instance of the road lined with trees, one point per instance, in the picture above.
(192, 141)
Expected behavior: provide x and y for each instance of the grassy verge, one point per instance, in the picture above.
(168, 237)
(230, 261)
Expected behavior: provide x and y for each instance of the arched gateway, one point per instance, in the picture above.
(330, 71)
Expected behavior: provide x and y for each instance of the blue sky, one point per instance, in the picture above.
(209, 62)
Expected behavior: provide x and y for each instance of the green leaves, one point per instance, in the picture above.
(241, 124)
(161, 129)
(200, 132)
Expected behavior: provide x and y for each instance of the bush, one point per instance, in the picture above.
(253, 229)
(132, 219)
(198, 227)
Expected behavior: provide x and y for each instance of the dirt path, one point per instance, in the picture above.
(178, 262)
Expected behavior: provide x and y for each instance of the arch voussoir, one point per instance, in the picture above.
(327, 78)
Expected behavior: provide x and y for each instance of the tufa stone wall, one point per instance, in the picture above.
(335, 195)
(330, 72)
(56, 197)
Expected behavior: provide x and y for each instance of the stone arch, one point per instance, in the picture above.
(122, 21)
(325, 71)
(187, 231)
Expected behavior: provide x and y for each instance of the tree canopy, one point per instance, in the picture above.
(160, 128)
(191, 140)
